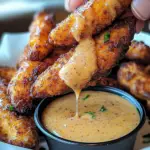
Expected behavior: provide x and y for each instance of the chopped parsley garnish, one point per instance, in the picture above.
(11, 108)
(103, 109)
(146, 138)
(106, 37)
(86, 97)
(92, 114)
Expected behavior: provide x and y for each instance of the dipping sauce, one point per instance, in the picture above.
(103, 117)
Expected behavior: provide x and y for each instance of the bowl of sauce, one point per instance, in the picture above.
(107, 119)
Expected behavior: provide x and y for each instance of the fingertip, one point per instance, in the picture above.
(141, 9)
(71, 5)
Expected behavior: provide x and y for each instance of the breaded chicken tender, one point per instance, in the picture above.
(112, 44)
(50, 84)
(15, 129)
(39, 47)
(19, 86)
(87, 20)
(103, 81)
(139, 52)
(50, 60)
(7, 73)
(136, 79)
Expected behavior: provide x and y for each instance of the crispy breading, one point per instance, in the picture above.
(110, 52)
(103, 81)
(39, 47)
(55, 55)
(49, 82)
(15, 129)
(139, 52)
(7, 73)
(136, 79)
(88, 19)
(19, 86)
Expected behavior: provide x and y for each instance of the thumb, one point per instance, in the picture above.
(141, 9)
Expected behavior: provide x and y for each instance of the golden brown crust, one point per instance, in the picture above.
(91, 18)
(7, 73)
(19, 86)
(49, 82)
(103, 81)
(50, 60)
(109, 53)
(39, 47)
(139, 52)
(135, 78)
(15, 129)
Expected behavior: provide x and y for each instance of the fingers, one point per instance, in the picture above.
(141, 9)
(139, 25)
(71, 5)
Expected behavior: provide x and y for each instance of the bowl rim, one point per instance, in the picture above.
(95, 88)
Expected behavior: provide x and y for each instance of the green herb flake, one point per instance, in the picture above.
(106, 37)
(11, 108)
(86, 97)
(92, 114)
(103, 109)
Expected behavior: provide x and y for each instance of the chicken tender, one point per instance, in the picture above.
(139, 52)
(112, 44)
(50, 60)
(19, 86)
(39, 47)
(7, 73)
(50, 84)
(15, 129)
(103, 81)
(87, 20)
(136, 79)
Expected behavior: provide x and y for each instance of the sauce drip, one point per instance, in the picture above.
(80, 68)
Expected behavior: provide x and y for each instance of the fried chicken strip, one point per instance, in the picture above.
(39, 47)
(139, 52)
(89, 19)
(136, 79)
(49, 83)
(50, 60)
(15, 129)
(112, 44)
(7, 73)
(19, 86)
(103, 81)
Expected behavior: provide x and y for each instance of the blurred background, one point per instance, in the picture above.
(16, 15)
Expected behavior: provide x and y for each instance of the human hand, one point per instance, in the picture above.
(140, 9)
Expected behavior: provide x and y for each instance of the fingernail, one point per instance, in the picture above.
(141, 9)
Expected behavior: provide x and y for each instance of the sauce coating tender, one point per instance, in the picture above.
(103, 117)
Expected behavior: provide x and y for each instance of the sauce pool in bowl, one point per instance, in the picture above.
(103, 116)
